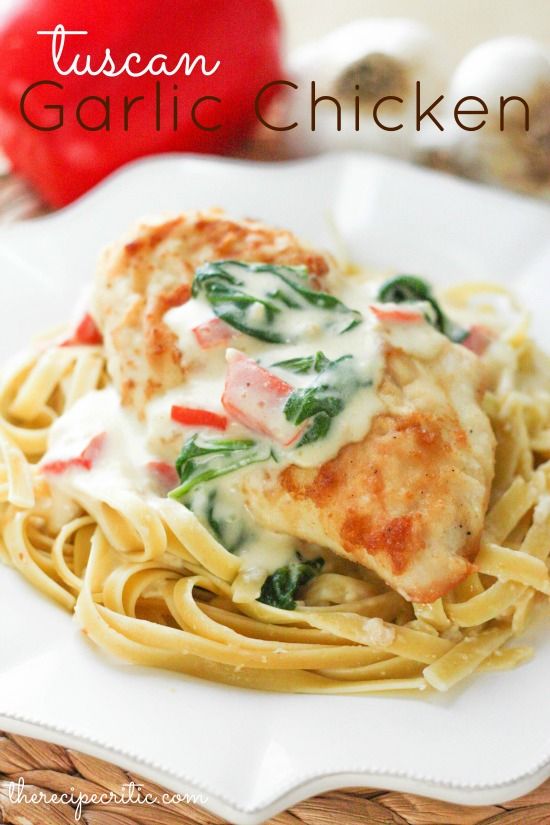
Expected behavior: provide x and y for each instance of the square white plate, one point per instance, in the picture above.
(254, 754)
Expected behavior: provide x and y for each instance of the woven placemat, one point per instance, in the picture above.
(47, 769)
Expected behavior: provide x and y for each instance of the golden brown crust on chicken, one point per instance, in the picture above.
(152, 271)
(408, 501)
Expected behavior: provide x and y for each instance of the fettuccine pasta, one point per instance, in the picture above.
(151, 583)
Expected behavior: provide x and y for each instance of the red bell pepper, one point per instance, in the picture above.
(256, 397)
(84, 461)
(86, 333)
(393, 315)
(193, 417)
(478, 339)
(213, 333)
(164, 474)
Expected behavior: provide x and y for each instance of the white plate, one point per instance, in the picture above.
(254, 754)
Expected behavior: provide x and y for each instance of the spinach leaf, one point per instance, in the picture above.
(305, 365)
(230, 533)
(203, 459)
(263, 300)
(280, 588)
(325, 398)
(409, 288)
(213, 522)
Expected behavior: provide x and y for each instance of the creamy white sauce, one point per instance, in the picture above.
(130, 445)
(121, 462)
(365, 342)
(259, 548)
(417, 338)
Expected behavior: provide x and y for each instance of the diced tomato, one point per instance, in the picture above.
(164, 474)
(393, 315)
(255, 397)
(213, 333)
(84, 461)
(193, 417)
(478, 339)
(86, 334)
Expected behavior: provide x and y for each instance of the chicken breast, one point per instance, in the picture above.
(151, 271)
(409, 500)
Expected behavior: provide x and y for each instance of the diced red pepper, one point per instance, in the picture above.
(164, 474)
(255, 397)
(92, 451)
(86, 334)
(400, 316)
(193, 417)
(58, 467)
(213, 333)
(84, 461)
(478, 339)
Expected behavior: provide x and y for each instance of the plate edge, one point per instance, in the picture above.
(303, 788)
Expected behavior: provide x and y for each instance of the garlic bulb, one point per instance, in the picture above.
(359, 64)
(504, 66)
(503, 151)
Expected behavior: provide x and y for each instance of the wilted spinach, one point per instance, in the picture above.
(262, 300)
(408, 288)
(230, 532)
(279, 589)
(327, 395)
(202, 459)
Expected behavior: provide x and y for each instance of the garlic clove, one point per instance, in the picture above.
(383, 57)
(512, 157)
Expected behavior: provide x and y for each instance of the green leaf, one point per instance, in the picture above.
(203, 459)
(230, 535)
(326, 397)
(279, 589)
(263, 300)
(214, 523)
(407, 289)
(305, 365)
(318, 429)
